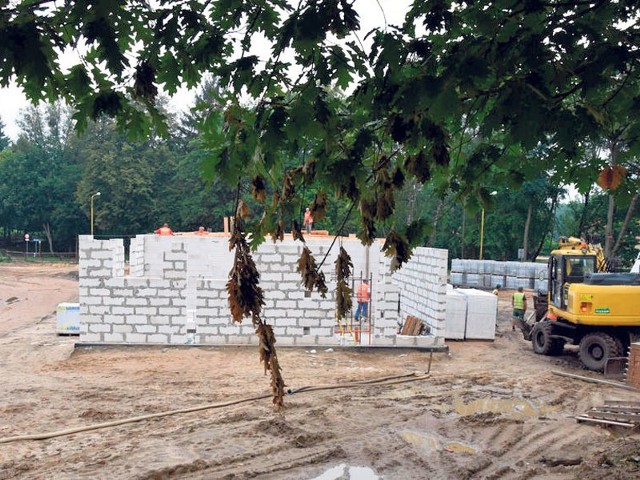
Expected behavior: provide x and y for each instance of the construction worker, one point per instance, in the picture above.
(164, 230)
(363, 296)
(496, 291)
(308, 220)
(519, 303)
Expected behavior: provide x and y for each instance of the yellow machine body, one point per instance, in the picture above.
(606, 305)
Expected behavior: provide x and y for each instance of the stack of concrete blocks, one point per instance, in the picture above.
(482, 308)
(456, 315)
(486, 274)
(181, 280)
(423, 288)
(471, 314)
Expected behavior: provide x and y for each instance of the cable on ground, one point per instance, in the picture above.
(384, 381)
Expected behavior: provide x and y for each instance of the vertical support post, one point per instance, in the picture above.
(481, 233)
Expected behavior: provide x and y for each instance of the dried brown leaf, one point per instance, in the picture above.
(311, 277)
(275, 201)
(296, 231)
(309, 170)
(418, 166)
(397, 247)
(343, 299)
(243, 210)
(319, 207)
(246, 297)
(259, 189)
(269, 359)
(343, 264)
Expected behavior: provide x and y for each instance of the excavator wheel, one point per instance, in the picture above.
(543, 342)
(597, 348)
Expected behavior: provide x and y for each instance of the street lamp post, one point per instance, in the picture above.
(97, 194)
(481, 232)
(482, 227)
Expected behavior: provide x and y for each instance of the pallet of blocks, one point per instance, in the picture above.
(621, 413)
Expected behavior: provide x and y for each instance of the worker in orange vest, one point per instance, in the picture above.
(308, 220)
(164, 230)
(363, 296)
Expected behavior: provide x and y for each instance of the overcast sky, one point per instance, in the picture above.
(12, 100)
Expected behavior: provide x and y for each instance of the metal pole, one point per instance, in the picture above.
(92, 216)
(481, 233)
(97, 194)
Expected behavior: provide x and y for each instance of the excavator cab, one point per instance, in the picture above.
(565, 270)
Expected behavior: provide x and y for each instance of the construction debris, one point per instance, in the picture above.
(622, 413)
(595, 380)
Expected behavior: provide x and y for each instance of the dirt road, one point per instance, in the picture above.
(487, 410)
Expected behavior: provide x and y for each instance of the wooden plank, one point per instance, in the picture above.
(403, 331)
(417, 327)
(621, 417)
(412, 326)
(583, 418)
(630, 403)
(409, 325)
(622, 409)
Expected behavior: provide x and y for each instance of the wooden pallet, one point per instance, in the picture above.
(623, 413)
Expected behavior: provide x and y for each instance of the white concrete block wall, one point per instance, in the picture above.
(172, 276)
(136, 257)
(423, 282)
(385, 296)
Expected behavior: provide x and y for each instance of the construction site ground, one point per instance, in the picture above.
(490, 409)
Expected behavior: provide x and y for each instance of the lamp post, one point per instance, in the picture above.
(97, 194)
(481, 232)
(482, 228)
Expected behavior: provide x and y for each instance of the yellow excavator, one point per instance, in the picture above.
(585, 306)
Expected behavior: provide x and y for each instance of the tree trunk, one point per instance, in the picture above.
(436, 219)
(47, 232)
(625, 223)
(464, 221)
(583, 217)
(412, 200)
(551, 223)
(525, 240)
(608, 232)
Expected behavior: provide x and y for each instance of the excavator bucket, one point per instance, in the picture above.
(526, 325)
(615, 367)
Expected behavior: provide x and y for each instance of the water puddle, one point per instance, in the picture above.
(432, 443)
(346, 472)
(457, 447)
(513, 407)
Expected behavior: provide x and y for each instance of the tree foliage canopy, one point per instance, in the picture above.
(452, 97)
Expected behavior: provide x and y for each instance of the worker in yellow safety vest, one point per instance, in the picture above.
(519, 303)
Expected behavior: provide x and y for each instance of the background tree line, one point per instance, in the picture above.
(49, 173)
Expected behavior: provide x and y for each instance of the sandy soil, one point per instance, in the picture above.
(487, 410)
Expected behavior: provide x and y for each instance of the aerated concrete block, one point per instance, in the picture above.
(481, 314)
(456, 316)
